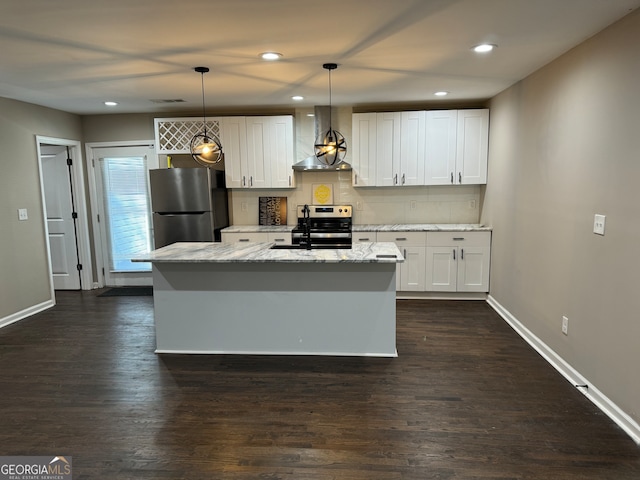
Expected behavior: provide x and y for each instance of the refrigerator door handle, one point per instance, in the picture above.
(178, 214)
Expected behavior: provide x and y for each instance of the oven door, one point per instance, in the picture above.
(322, 238)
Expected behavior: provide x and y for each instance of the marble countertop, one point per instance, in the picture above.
(400, 227)
(210, 252)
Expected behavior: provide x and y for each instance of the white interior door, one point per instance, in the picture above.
(124, 211)
(59, 214)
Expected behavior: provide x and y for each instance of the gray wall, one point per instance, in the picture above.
(565, 145)
(24, 277)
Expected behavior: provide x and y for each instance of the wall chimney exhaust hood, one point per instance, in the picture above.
(312, 164)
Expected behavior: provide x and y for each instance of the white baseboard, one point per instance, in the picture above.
(27, 312)
(615, 413)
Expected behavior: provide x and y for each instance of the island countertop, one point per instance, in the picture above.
(398, 227)
(261, 252)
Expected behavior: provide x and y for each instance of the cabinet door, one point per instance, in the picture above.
(440, 147)
(359, 237)
(388, 148)
(412, 128)
(258, 174)
(441, 269)
(412, 271)
(472, 146)
(281, 154)
(234, 146)
(363, 148)
(473, 269)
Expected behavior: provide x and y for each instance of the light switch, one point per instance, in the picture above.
(598, 224)
(22, 214)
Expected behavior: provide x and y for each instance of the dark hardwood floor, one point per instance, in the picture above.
(465, 399)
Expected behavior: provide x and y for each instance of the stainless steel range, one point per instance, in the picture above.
(323, 226)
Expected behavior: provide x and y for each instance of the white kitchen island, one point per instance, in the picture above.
(217, 298)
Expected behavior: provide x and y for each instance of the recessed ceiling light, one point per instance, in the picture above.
(484, 48)
(270, 56)
(442, 93)
(297, 98)
(111, 104)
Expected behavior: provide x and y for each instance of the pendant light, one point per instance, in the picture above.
(330, 146)
(205, 147)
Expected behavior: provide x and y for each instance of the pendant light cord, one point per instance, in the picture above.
(204, 116)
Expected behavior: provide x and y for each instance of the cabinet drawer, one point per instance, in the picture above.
(418, 239)
(365, 236)
(245, 237)
(282, 238)
(463, 239)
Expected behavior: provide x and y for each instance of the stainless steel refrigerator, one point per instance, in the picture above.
(188, 204)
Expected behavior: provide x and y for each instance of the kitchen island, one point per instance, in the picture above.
(217, 298)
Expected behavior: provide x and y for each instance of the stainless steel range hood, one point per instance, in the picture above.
(312, 164)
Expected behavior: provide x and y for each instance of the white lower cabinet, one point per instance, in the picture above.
(410, 275)
(359, 237)
(458, 261)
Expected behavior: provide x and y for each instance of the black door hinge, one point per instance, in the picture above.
(69, 162)
(79, 266)
(74, 215)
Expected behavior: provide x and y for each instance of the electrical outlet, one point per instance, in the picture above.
(472, 204)
(598, 224)
(244, 207)
(413, 204)
(22, 214)
(358, 205)
(565, 325)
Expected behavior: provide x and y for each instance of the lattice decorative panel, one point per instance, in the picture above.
(173, 135)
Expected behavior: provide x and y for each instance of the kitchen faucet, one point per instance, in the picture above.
(306, 212)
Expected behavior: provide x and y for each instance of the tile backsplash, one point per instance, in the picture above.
(372, 205)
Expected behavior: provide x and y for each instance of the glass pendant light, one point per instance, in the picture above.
(205, 147)
(330, 146)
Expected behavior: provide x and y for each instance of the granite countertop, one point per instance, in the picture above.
(257, 228)
(260, 252)
(423, 227)
(400, 227)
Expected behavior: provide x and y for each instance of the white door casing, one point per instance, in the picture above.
(109, 276)
(64, 257)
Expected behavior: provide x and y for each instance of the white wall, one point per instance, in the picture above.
(24, 271)
(565, 145)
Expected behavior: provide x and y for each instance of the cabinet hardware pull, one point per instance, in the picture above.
(244, 240)
(244, 181)
(355, 178)
(251, 181)
(365, 239)
(454, 253)
(278, 239)
(401, 239)
(395, 179)
(451, 177)
(459, 177)
(462, 254)
(403, 179)
(289, 180)
(405, 253)
(457, 239)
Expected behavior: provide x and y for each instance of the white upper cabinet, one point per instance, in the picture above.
(400, 149)
(234, 146)
(281, 151)
(388, 148)
(259, 151)
(456, 147)
(363, 149)
(472, 146)
(412, 144)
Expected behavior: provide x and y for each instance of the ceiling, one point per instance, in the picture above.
(73, 55)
